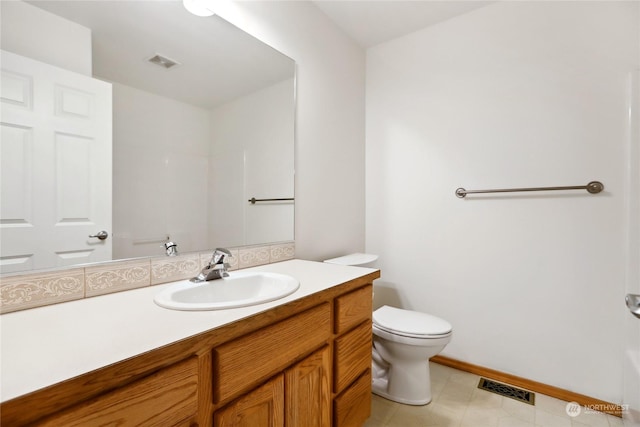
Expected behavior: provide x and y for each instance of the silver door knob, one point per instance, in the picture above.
(633, 302)
(102, 235)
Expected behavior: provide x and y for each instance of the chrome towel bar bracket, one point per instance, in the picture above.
(593, 187)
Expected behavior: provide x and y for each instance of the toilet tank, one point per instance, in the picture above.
(356, 259)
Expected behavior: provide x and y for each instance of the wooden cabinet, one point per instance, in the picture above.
(298, 397)
(353, 309)
(339, 373)
(352, 358)
(246, 361)
(308, 391)
(262, 407)
(165, 398)
(304, 363)
(353, 406)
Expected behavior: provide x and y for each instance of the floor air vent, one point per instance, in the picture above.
(508, 391)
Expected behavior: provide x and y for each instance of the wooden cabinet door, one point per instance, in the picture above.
(263, 407)
(353, 356)
(308, 393)
(353, 406)
(240, 364)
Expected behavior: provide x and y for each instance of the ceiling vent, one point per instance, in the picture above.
(163, 61)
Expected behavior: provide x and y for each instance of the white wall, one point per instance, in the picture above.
(158, 142)
(60, 42)
(329, 184)
(252, 150)
(515, 94)
(631, 364)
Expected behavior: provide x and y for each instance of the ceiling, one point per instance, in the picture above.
(371, 22)
(218, 62)
(127, 33)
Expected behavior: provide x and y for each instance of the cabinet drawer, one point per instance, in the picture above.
(352, 356)
(353, 407)
(165, 398)
(353, 308)
(268, 350)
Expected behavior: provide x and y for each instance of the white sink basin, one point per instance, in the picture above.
(240, 289)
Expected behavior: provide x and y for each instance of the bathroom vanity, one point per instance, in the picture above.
(302, 360)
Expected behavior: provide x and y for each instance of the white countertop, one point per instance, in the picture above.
(44, 346)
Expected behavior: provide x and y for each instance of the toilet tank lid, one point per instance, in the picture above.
(410, 322)
(353, 259)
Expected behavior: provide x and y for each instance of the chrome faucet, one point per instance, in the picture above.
(216, 268)
(171, 248)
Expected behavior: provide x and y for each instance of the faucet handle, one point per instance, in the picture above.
(224, 251)
(219, 255)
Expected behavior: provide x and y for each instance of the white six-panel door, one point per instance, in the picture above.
(55, 166)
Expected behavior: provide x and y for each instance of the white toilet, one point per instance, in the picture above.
(403, 342)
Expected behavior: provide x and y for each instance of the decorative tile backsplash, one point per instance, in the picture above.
(31, 290)
(170, 269)
(105, 279)
(250, 257)
(281, 252)
(34, 290)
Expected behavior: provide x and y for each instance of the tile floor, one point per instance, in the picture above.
(457, 401)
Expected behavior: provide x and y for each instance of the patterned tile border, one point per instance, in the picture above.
(170, 269)
(35, 290)
(32, 290)
(105, 279)
(253, 256)
(283, 252)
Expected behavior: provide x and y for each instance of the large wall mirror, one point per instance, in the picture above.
(201, 121)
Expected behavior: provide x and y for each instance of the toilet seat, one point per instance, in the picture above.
(409, 323)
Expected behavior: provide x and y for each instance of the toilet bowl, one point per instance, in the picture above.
(403, 342)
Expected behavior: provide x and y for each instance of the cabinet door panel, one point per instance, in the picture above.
(353, 406)
(166, 398)
(308, 396)
(263, 407)
(268, 351)
(352, 356)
